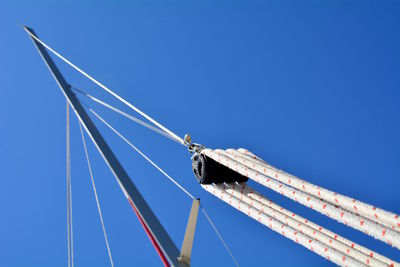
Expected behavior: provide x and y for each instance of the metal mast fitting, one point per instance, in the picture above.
(186, 250)
(162, 242)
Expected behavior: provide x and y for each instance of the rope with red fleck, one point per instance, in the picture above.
(380, 216)
(248, 169)
(332, 236)
(325, 243)
(286, 230)
(253, 167)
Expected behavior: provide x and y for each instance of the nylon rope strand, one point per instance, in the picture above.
(107, 89)
(236, 196)
(69, 199)
(128, 116)
(250, 196)
(348, 218)
(171, 179)
(96, 196)
(295, 235)
(386, 218)
(261, 200)
(352, 218)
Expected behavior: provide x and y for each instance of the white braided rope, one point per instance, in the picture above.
(254, 162)
(360, 223)
(283, 229)
(378, 215)
(258, 197)
(253, 198)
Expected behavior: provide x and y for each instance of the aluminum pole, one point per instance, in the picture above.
(162, 242)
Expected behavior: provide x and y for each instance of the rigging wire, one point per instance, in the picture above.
(171, 179)
(130, 117)
(69, 193)
(107, 89)
(96, 196)
(219, 235)
(142, 154)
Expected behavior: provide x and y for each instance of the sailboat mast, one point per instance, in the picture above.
(163, 244)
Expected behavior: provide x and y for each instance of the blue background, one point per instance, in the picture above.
(311, 87)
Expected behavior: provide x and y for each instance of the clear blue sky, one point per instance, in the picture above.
(312, 88)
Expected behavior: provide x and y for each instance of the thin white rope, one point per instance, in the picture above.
(72, 225)
(219, 235)
(96, 196)
(68, 210)
(171, 179)
(128, 116)
(142, 154)
(68, 165)
(106, 88)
